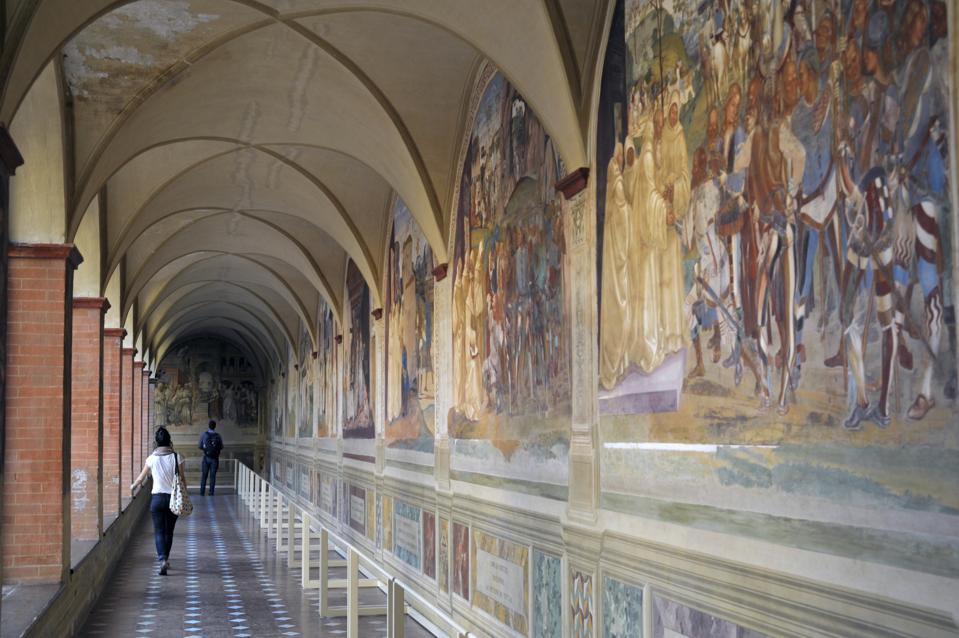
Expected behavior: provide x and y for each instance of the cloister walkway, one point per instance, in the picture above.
(225, 580)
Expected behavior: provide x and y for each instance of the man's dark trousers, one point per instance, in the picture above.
(210, 466)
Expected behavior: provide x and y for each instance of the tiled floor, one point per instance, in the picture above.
(225, 580)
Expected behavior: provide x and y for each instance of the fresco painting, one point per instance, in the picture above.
(622, 609)
(429, 544)
(461, 560)
(775, 259)
(306, 379)
(511, 354)
(547, 594)
(358, 413)
(675, 620)
(203, 379)
(409, 336)
(325, 369)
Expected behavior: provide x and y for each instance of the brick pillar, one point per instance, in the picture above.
(86, 427)
(10, 160)
(36, 489)
(137, 417)
(112, 485)
(126, 424)
(147, 439)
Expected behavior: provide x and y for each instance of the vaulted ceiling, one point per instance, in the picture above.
(244, 150)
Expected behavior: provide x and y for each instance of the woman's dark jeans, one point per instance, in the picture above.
(163, 523)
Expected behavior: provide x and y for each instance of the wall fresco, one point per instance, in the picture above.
(511, 356)
(409, 336)
(581, 605)
(325, 372)
(777, 320)
(358, 413)
(357, 508)
(306, 380)
(203, 379)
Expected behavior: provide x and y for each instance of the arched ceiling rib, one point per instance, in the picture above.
(259, 142)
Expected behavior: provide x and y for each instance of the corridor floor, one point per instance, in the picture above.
(225, 580)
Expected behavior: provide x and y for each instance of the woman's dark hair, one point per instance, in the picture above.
(162, 437)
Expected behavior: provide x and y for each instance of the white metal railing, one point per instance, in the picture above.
(269, 504)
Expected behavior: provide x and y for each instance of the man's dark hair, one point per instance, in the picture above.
(162, 437)
(212, 424)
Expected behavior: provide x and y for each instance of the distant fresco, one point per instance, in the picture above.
(409, 329)
(325, 372)
(777, 321)
(511, 356)
(306, 386)
(675, 620)
(358, 415)
(203, 379)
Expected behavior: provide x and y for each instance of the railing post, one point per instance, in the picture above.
(291, 532)
(304, 550)
(324, 572)
(352, 594)
(395, 610)
(263, 505)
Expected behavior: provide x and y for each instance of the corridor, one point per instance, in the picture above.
(225, 580)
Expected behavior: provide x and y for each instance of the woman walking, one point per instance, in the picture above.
(162, 465)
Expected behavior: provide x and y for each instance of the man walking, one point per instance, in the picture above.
(212, 445)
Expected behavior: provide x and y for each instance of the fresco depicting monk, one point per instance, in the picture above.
(511, 354)
(800, 185)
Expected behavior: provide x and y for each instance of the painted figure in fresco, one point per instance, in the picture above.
(814, 189)
(509, 333)
(160, 404)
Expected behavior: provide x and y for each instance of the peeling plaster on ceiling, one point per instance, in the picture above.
(117, 56)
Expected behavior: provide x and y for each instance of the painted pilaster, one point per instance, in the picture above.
(378, 396)
(443, 369)
(580, 213)
(583, 546)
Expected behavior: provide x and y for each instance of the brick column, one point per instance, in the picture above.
(126, 424)
(137, 417)
(10, 160)
(36, 489)
(146, 440)
(112, 435)
(86, 428)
